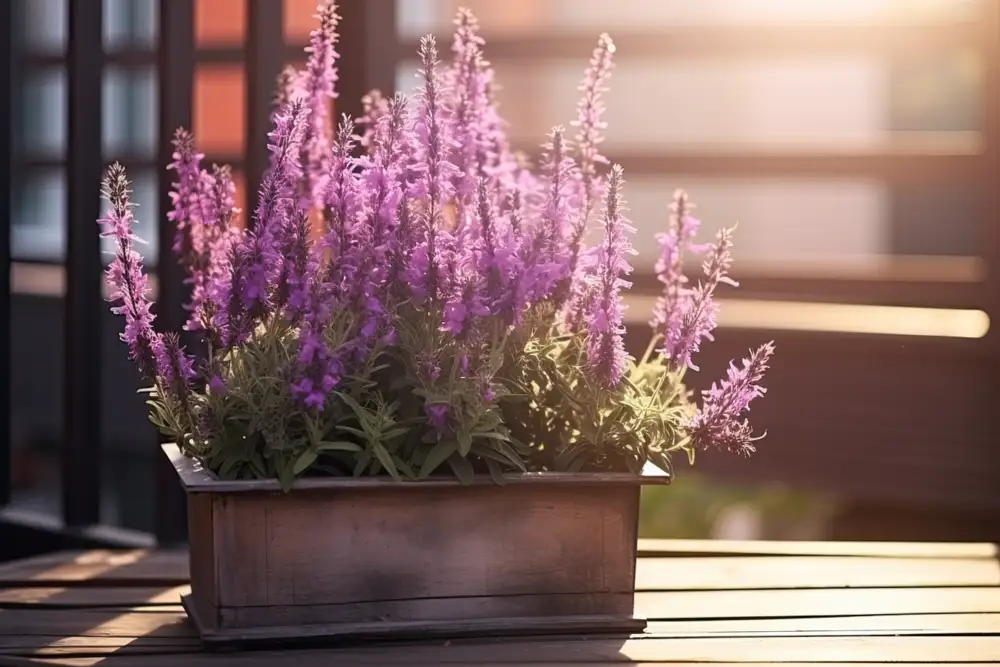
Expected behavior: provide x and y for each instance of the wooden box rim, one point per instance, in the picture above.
(197, 479)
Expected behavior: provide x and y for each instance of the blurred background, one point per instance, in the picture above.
(856, 143)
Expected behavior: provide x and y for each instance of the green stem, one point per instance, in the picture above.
(649, 348)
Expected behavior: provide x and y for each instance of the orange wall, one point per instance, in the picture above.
(219, 113)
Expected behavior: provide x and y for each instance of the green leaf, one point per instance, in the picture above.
(362, 462)
(576, 465)
(464, 443)
(386, 460)
(495, 472)
(227, 466)
(438, 455)
(491, 435)
(353, 431)
(286, 477)
(462, 469)
(338, 446)
(306, 459)
(395, 432)
(257, 465)
(362, 414)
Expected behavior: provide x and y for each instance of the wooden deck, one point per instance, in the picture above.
(713, 602)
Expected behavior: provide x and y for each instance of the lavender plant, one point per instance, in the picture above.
(447, 317)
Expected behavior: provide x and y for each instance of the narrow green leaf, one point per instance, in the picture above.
(462, 469)
(338, 446)
(438, 455)
(286, 477)
(306, 459)
(576, 465)
(386, 460)
(362, 462)
(404, 467)
(226, 467)
(464, 443)
(353, 431)
(495, 472)
(491, 435)
(362, 414)
(395, 432)
(257, 465)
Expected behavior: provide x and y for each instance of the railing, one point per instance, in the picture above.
(370, 55)
(177, 59)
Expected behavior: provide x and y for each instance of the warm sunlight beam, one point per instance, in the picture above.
(835, 318)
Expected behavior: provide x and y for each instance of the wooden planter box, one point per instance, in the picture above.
(369, 557)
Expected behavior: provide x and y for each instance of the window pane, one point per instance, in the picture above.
(40, 25)
(129, 112)
(219, 114)
(786, 225)
(39, 216)
(841, 222)
(42, 114)
(833, 103)
(130, 23)
(416, 17)
(219, 22)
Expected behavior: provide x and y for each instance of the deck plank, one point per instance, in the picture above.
(93, 597)
(815, 602)
(659, 547)
(100, 567)
(744, 603)
(715, 573)
(937, 650)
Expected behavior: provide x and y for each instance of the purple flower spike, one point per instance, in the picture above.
(435, 145)
(176, 368)
(318, 86)
(472, 104)
(547, 261)
(285, 88)
(670, 306)
(186, 194)
(295, 251)
(437, 415)
(319, 368)
(211, 268)
(698, 318)
(258, 256)
(606, 347)
(128, 283)
(590, 127)
(374, 106)
(717, 423)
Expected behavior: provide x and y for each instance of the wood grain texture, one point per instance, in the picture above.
(760, 572)
(99, 567)
(716, 612)
(204, 568)
(703, 548)
(430, 554)
(197, 479)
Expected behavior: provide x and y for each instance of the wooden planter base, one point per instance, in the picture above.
(349, 558)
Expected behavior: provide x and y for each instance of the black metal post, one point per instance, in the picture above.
(81, 454)
(6, 191)
(368, 52)
(990, 184)
(176, 75)
(990, 53)
(265, 52)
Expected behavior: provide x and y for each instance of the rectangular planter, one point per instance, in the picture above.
(370, 557)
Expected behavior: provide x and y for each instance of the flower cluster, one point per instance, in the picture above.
(446, 313)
